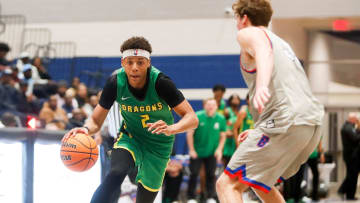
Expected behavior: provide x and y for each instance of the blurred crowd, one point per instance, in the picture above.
(26, 88)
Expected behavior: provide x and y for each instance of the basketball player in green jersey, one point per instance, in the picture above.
(286, 114)
(146, 97)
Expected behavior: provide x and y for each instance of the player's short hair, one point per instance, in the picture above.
(136, 43)
(219, 87)
(258, 11)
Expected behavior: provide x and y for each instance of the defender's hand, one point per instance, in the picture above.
(73, 132)
(159, 127)
(261, 97)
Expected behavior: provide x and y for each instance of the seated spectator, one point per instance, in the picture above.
(4, 50)
(37, 62)
(68, 105)
(54, 117)
(88, 108)
(77, 119)
(9, 120)
(81, 95)
(8, 93)
(27, 104)
(6, 77)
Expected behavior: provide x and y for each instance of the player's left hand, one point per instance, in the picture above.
(159, 127)
(218, 155)
(261, 97)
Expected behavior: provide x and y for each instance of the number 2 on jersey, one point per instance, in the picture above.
(144, 119)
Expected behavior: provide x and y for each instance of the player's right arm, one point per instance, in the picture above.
(94, 123)
(190, 143)
(255, 43)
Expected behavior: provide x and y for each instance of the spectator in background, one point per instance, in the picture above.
(206, 145)
(27, 104)
(9, 120)
(4, 50)
(9, 95)
(77, 119)
(27, 77)
(6, 77)
(219, 91)
(88, 108)
(15, 76)
(24, 60)
(231, 111)
(68, 104)
(43, 74)
(75, 82)
(350, 136)
(54, 117)
(42, 88)
(81, 95)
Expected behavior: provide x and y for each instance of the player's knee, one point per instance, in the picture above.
(117, 173)
(222, 182)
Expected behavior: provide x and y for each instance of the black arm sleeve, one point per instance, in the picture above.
(167, 90)
(109, 93)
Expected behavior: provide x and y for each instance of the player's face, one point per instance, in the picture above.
(210, 107)
(136, 69)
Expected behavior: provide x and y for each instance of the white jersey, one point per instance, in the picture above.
(291, 101)
(113, 120)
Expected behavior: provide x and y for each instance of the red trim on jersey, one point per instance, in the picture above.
(267, 36)
(248, 71)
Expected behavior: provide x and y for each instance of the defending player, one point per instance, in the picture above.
(287, 116)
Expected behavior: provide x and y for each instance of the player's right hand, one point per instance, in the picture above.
(242, 137)
(73, 132)
(261, 97)
(193, 154)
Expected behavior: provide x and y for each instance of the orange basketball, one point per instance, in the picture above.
(79, 153)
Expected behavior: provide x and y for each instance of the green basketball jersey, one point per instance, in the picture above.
(136, 114)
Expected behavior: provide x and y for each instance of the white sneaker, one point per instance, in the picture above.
(211, 200)
(191, 201)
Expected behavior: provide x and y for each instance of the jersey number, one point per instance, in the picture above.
(144, 118)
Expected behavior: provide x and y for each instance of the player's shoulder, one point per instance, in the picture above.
(251, 32)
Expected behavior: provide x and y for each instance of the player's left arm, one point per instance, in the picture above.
(255, 42)
(167, 90)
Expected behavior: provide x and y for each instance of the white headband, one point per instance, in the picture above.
(136, 52)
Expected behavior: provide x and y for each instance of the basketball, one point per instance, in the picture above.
(79, 153)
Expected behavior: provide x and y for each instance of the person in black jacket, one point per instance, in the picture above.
(350, 136)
